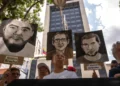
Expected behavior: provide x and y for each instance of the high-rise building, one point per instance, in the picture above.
(76, 18)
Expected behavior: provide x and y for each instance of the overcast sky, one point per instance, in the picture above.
(104, 15)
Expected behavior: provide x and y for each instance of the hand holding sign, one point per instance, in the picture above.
(94, 75)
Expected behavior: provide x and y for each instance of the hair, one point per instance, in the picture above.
(114, 62)
(91, 35)
(65, 33)
(43, 64)
(14, 69)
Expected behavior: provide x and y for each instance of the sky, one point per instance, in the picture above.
(104, 15)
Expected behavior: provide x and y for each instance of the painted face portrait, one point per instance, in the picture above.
(17, 32)
(90, 46)
(60, 42)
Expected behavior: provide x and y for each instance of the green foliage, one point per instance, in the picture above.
(24, 9)
(50, 1)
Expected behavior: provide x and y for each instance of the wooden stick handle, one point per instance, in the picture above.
(10, 66)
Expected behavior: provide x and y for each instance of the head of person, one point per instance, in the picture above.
(90, 44)
(58, 60)
(16, 34)
(116, 51)
(114, 63)
(12, 74)
(60, 41)
(43, 69)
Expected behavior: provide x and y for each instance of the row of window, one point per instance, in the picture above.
(73, 10)
(67, 14)
(71, 19)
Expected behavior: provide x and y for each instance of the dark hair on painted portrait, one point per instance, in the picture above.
(91, 35)
(65, 33)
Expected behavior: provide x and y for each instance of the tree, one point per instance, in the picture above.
(24, 9)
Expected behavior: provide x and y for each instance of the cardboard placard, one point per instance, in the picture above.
(11, 60)
(90, 47)
(19, 41)
(93, 66)
(60, 42)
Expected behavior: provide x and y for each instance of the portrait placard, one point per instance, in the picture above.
(11, 60)
(17, 38)
(90, 47)
(93, 66)
(60, 42)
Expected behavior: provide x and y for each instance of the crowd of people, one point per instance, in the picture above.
(59, 72)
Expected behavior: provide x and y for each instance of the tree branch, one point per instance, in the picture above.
(4, 6)
(30, 9)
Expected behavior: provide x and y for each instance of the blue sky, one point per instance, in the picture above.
(104, 15)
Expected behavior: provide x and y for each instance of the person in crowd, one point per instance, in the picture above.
(114, 64)
(43, 70)
(59, 72)
(115, 72)
(9, 76)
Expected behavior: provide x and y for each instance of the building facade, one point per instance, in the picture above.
(76, 20)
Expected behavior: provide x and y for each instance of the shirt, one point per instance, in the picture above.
(63, 75)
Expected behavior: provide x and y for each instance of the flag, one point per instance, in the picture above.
(44, 51)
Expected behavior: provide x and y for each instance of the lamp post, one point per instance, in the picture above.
(60, 4)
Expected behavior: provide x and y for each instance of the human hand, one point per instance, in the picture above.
(117, 75)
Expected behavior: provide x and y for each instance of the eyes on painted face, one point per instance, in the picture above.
(16, 32)
(90, 46)
(60, 41)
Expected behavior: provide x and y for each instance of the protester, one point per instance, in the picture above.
(115, 72)
(43, 70)
(59, 72)
(9, 76)
(114, 64)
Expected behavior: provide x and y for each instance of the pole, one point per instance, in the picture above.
(62, 17)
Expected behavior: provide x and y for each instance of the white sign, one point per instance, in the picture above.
(11, 60)
(93, 67)
(38, 45)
